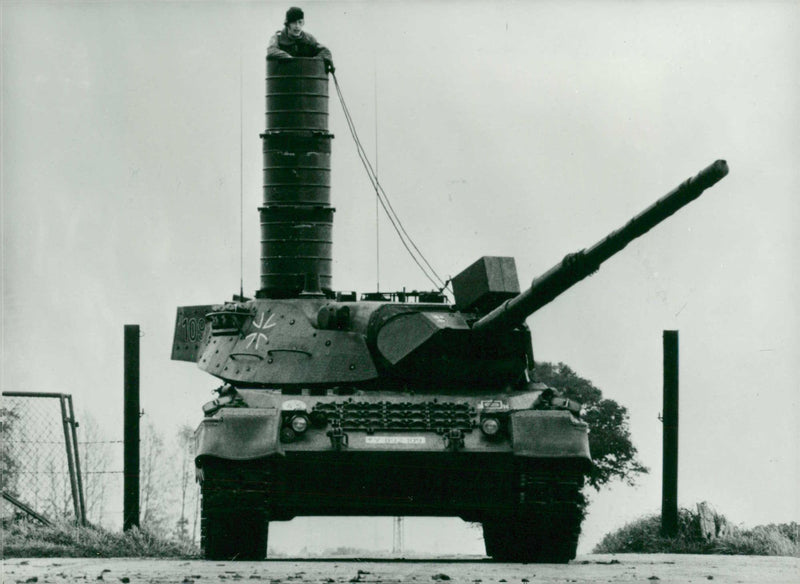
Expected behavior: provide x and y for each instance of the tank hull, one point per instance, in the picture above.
(526, 481)
(376, 423)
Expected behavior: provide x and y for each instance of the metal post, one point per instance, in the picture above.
(131, 428)
(74, 424)
(22, 506)
(73, 483)
(669, 488)
(397, 536)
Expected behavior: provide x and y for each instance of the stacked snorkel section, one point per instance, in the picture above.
(296, 218)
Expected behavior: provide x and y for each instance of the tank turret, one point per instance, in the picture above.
(388, 404)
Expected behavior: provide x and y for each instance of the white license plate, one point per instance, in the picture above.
(395, 440)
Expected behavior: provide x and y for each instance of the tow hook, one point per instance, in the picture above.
(454, 440)
(339, 439)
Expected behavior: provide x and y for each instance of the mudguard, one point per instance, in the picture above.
(549, 434)
(239, 434)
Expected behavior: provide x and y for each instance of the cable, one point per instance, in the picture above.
(394, 220)
(440, 283)
(383, 198)
(418, 257)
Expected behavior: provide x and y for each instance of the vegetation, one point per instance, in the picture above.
(22, 538)
(644, 536)
(168, 500)
(9, 466)
(613, 452)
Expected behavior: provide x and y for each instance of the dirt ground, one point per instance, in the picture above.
(661, 569)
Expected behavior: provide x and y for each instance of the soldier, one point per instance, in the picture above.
(293, 42)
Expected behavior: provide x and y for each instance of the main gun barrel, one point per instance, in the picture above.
(576, 266)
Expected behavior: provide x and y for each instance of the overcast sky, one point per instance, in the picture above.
(526, 129)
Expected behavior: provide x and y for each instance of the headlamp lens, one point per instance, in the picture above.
(490, 426)
(299, 424)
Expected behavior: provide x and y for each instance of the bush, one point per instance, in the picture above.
(27, 539)
(644, 536)
(764, 540)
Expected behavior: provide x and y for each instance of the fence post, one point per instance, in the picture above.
(73, 484)
(669, 486)
(131, 428)
(73, 425)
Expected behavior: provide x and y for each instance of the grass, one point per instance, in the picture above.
(28, 539)
(644, 536)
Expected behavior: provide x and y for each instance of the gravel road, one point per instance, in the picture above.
(651, 569)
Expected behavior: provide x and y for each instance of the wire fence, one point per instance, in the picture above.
(55, 470)
(103, 476)
(40, 470)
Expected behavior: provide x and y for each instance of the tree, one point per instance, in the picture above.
(9, 465)
(154, 481)
(185, 445)
(59, 493)
(613, 452)
(96, 460)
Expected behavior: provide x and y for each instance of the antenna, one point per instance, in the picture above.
(241, 185)
(377, 197)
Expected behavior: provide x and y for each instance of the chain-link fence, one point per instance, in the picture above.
(103, 475)
(43, 474)
(40, 470)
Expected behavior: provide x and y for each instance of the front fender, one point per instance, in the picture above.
(239, 434)
(549, 434)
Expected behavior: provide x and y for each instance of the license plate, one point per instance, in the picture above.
(387, 440)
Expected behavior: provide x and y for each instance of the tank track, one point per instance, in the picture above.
(235, 509)
(544, 524)
(540, 523)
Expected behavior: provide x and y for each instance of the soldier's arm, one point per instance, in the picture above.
(321, 51)
(274, 52)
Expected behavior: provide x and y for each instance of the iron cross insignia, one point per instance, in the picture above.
(261, 327)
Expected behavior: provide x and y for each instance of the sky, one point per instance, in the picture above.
(524, 129)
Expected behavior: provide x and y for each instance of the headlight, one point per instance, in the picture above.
(490, 426)
(299, 424)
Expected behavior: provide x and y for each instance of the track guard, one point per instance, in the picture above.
(239, 434)
(549, 434)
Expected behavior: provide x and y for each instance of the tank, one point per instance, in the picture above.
(396, 404)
